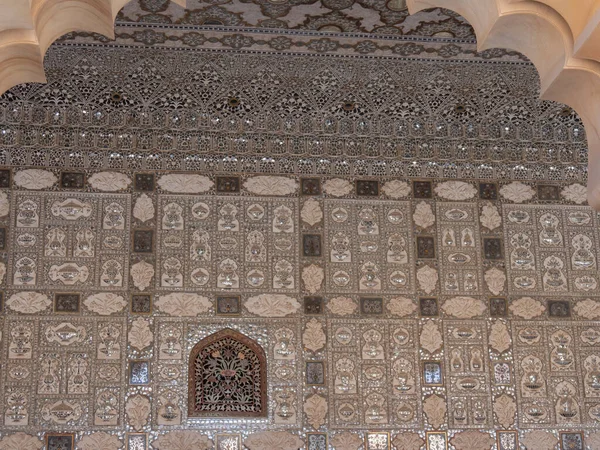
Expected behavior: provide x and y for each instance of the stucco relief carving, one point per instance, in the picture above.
(313, 337)
(540, 440)
(505, 409)
(423, 215)
(183, 440)
(313, 277)
(185, 184)
(315, 408)
(138, 411)
(396, 189)
(270, 185)
(100, 441)
(269, 440)
(105, 303)
(141, 274)
(517, 192)
(35, 179)
(272, 305)
(183, 304)
(28, 302)
(20, 441)
(346, 441)
(490, 217)
(4, 204)
(495, 280)
(401, 306)
(143, 210)
(500, 339)
(140, 336)
(311, 212)
(527, 308)
(408, 441)
(588, 309)
(341, 306)
(464, 307)
(427, 277)
(455, 190)
(575, 193)
(109, 181)
(431, 338)
(434, 407)
(472, 440)
(337, 187)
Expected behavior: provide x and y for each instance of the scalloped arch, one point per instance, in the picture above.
(562, 40)
(29, 27)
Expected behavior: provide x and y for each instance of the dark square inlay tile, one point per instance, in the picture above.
(317, 441)
(310, 186)
(72, 180)
(371, 305)
(428, 307)
(228, 184)
(311, 245)
(315, 373)
(3, 235)
(367, 188)
(571, 441)
(492, 248)
(62, 441)
(144, 182)
(143, 241)
(425, 247)
(433, 373)
(229, 305)
(5, 178)
(422, 189)
(313, 305)
(66, 303)
(488, 191)
(139, 372)
(559, 308)
(498, 307)
(141, 303)
(547, 192)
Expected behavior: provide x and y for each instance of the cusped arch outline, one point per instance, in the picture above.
(29, 27)
(224, 369)
(562, 40)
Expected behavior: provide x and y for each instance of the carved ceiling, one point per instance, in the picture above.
(364, 16)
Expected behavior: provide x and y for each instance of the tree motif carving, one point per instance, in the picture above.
(227, 377)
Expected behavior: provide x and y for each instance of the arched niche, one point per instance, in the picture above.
(227, 377)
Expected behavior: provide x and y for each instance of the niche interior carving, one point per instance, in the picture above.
(227, 377)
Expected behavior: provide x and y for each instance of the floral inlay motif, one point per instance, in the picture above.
(396, 189)
(517, 192)
(35, 179)
(337, 187)
(455, 190)
(109, 181)
(227, 377)
(268, 185)
(575, 193)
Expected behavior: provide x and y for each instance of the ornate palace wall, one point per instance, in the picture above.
(440, 292)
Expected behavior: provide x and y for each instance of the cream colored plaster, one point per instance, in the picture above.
(562, 39)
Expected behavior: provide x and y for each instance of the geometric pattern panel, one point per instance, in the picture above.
(390, 313)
